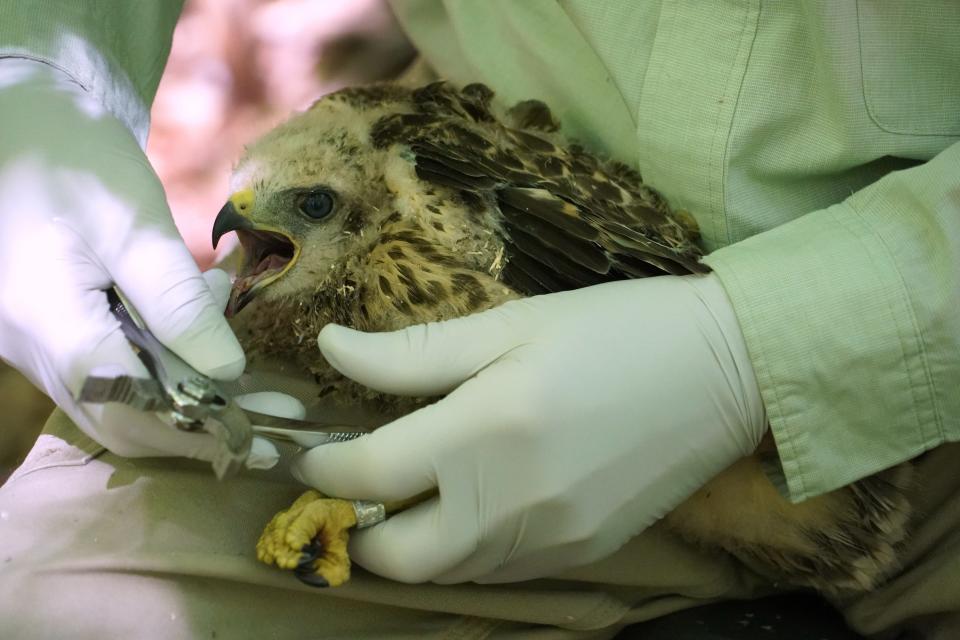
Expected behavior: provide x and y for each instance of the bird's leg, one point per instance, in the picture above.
(311, 537)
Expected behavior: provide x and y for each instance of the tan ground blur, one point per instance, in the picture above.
(237, 68)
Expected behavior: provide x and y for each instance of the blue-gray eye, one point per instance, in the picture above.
(317, 204)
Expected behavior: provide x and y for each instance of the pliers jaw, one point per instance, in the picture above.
(178, 393)
(183, 397)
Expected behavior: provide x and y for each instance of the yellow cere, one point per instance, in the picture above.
(243, 201)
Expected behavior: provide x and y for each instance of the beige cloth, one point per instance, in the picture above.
(96, 546)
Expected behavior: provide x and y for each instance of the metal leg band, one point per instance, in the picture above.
(369, 513)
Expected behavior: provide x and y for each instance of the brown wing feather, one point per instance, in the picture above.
(569, 219)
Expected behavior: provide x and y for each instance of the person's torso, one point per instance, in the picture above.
(747, 114)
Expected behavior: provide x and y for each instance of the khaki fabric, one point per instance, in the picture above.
(96, 546)
(109, 547)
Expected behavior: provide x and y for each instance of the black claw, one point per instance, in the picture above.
(312, 579)
(305, 570)
(310, 552)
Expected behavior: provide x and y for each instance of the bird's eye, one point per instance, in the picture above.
(317, 204)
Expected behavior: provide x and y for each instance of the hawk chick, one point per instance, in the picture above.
(382, 207)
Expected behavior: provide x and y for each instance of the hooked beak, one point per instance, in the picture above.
(268, 252)
(229, 220)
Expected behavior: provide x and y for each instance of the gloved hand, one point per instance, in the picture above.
(573, 422)
(80, 210)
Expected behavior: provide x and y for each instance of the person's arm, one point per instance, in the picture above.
(81, 210)
(116, 51)
(852, 319)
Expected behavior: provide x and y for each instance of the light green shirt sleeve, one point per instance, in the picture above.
(851, 317)
(114, 50)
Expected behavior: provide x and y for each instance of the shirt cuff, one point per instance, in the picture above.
(834, 343)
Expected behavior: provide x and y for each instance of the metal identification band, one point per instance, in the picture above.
(369, 513)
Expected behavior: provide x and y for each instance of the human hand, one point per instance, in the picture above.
(80, 210)
(573, 422)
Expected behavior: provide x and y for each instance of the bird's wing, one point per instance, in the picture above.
(568, 219)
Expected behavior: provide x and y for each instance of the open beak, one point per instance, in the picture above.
(229, 220)
(268, 254)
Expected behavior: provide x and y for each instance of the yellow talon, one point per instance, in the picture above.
(313, 521)
(311, 536)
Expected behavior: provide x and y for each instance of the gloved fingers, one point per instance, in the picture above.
(425, 359)
(368, 468)
(81, 335)
(536, 545)
(161, 280)
(95, 344)
(551, 561)
(420, 543)
(272, 403)
(218, 281)
(397, 461)
(132, 433)
(156, 439)
(400, 459)
(263, 455)
(124, 430)
(71, 334)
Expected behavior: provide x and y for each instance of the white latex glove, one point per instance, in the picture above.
(80, 210)
(263, 455)
(574, 421)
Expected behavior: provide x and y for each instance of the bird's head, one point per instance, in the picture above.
(305, 194)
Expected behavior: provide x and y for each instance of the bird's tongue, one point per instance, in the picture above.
(239, 294)
(270, 264)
